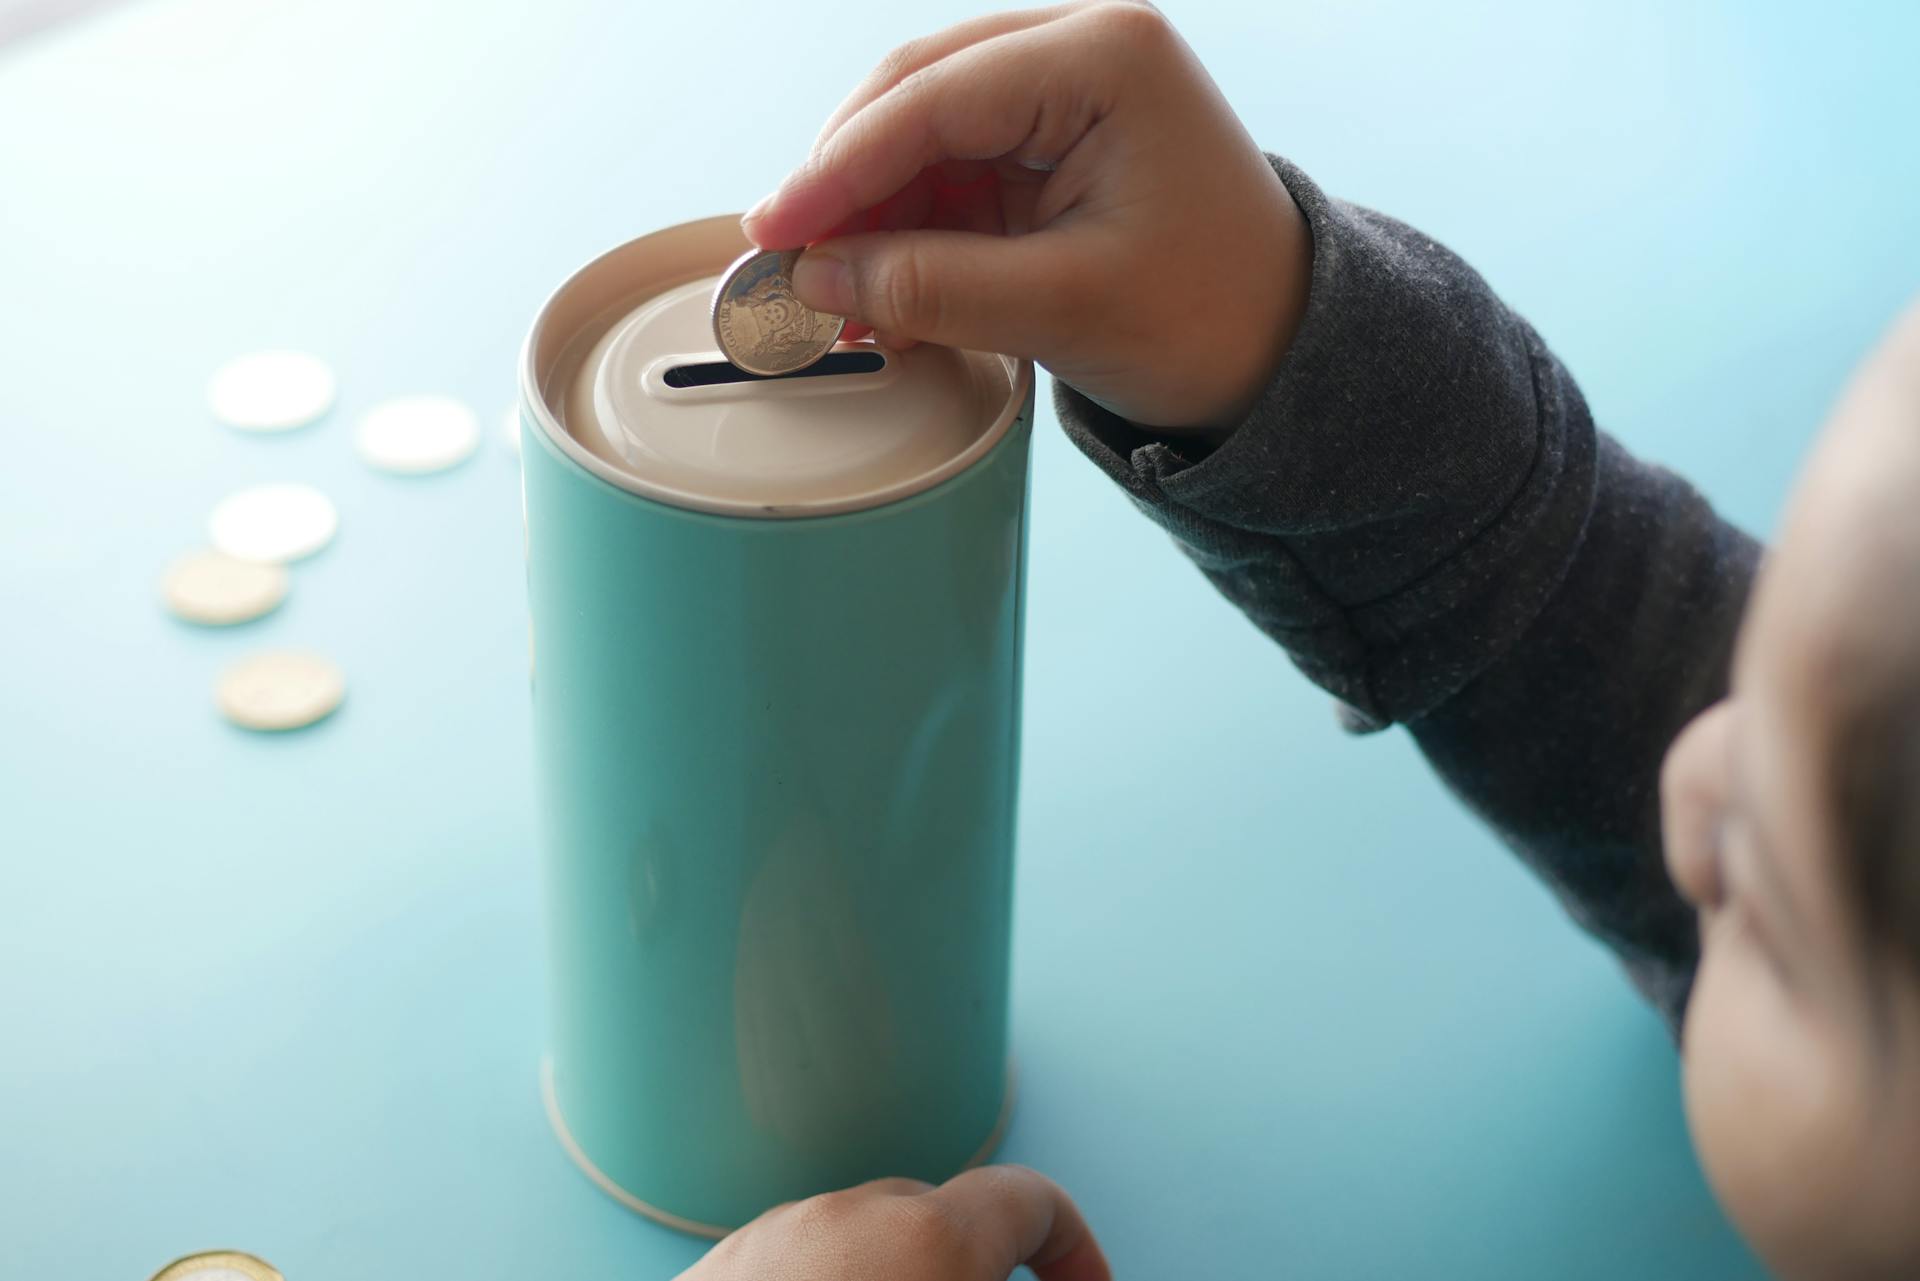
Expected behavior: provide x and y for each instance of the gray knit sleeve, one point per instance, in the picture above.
(1420, 511)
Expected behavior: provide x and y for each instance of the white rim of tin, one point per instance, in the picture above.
(693, 1227)
(533, 403)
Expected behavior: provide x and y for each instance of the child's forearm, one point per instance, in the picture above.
(1406, 495)
(1558, 743)
(1420, 511)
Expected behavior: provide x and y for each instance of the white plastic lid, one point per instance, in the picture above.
(645, 400)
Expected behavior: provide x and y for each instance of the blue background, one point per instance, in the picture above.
(1281, 1009)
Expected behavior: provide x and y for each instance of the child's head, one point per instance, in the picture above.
(1792, 815)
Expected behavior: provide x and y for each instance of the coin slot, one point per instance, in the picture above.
(714, 373)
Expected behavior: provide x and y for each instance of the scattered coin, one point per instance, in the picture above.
(219, 1265)
(273, 523)
(271, 390)
(280, 690)
(216, 589)
(760, 325)
(415, 434)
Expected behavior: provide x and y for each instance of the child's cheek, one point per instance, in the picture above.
(1768, 1109)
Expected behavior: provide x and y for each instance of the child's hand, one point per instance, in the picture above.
(979, 1226)
(1065, 184)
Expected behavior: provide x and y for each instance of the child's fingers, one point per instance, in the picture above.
(1002, 97)
(924, 52)
(1010, 294)
(1023, 1217)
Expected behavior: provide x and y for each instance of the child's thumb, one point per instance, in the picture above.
(955, 288)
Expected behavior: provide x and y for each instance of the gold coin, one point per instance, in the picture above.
(219, 1265)
(280, 690)
(760, 325)
(217, 590)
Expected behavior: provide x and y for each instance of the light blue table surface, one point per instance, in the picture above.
(1281, 1009)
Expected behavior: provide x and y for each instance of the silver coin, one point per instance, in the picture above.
(414, 435)
(271, 390)
(273, 524)
(759, 324)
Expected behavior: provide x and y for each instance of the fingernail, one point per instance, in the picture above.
(758, 208)
(820, 281)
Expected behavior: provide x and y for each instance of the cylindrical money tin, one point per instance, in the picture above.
(776, 630)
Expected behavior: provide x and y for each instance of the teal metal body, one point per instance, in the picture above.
(777, 762)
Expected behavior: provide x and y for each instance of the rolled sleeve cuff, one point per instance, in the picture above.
(1408, 491)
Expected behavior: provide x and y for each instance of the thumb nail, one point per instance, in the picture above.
(820, 281)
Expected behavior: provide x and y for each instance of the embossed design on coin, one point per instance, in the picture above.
(759, 324)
